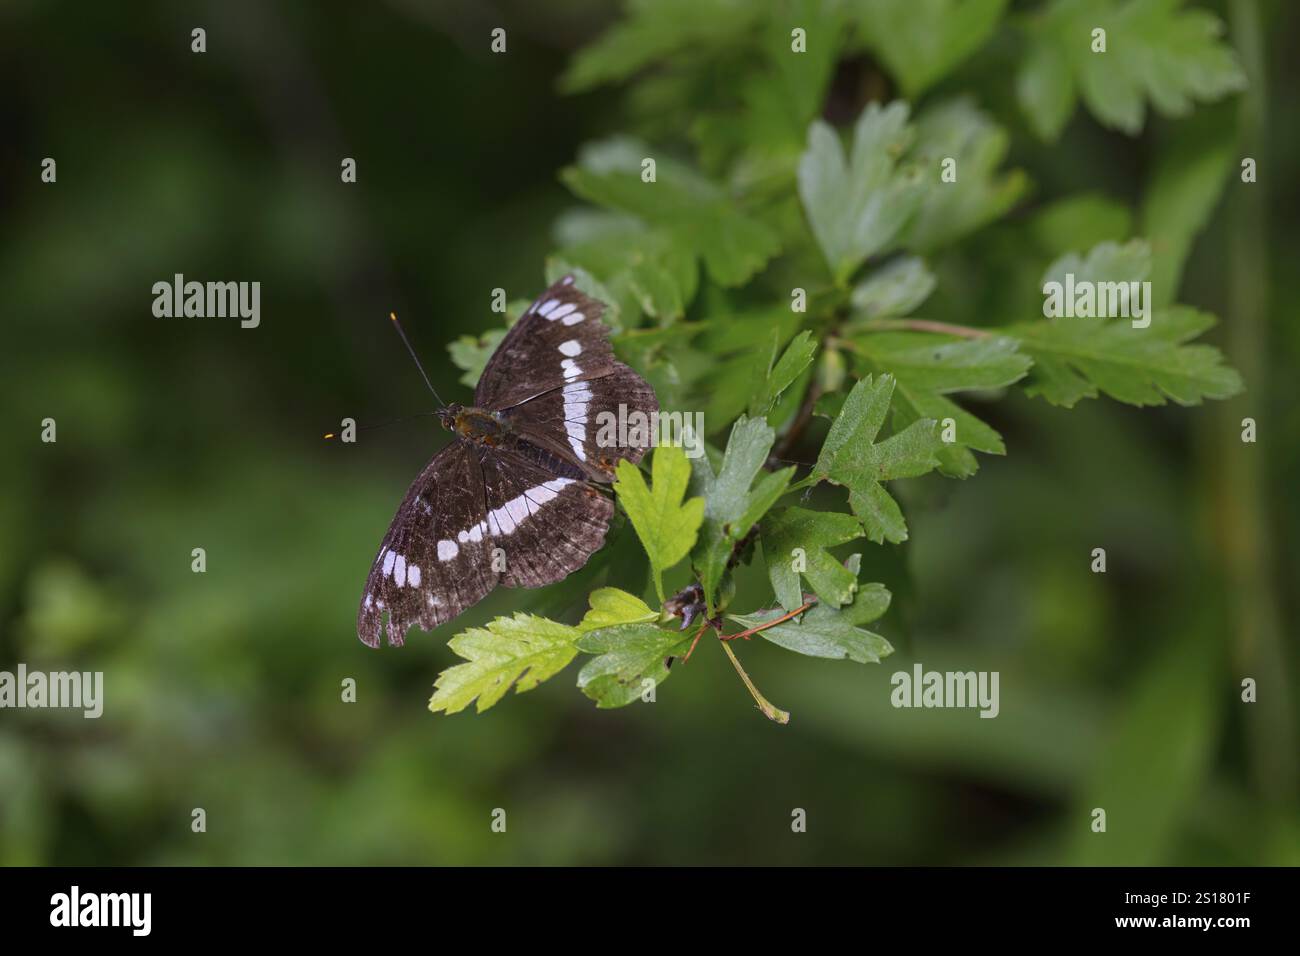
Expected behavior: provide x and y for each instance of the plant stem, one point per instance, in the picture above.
(695, 640)
(918, 325)
(770, 711)
(1247, 532)
(766, 624)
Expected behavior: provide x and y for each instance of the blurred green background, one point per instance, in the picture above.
(223, 689)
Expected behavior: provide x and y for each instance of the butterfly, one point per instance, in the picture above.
(516, 497)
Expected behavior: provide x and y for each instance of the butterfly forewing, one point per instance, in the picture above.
(597, 420)
(557, 340)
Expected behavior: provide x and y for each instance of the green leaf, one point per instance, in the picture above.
(922, 41)
(523, 650)
(629, 656)
(798, 356)
(611, 606)
(825, 631)
(895, 289)
(857, 206)
(734, 355)
(1188, 181)
(1077, 358)
(806, 75)
(696, 213)
(1045, 89)
(733, 500)
(1105, 262)
(1154, 51)
(958, 130)
(471, 354)
(777, 101)
(812, 532)
(924, 362)
(666, 524)
(850, 456)
(653, 30)
(644, 270)
(928, 367)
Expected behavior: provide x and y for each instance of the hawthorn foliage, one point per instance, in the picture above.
(809, 259)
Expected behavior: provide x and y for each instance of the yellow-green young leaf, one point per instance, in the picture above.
(666, 524)
(523, 650)
(610, 606)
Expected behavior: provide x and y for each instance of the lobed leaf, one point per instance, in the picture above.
(664, 520)
(522, 651)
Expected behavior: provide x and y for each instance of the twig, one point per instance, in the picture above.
(766, 624)
(698, 634)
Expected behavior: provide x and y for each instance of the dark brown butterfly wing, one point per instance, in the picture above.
(557, 380)
(593, 422)
(476, 517)
(418, 577)
(545, 527)
(558, 339)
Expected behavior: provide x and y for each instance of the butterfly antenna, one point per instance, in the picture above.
(391, 421)
(407, 342)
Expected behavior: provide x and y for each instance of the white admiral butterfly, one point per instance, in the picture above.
(513, 499)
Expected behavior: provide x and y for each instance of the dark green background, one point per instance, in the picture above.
(1119, 691)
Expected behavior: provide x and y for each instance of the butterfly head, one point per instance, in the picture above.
(449, 414)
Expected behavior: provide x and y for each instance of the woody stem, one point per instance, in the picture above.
(766, 624)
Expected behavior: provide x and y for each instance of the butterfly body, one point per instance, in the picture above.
(515, 498)
(475, 424)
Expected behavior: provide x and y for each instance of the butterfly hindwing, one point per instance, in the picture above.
(417, 578)
(544, 526)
